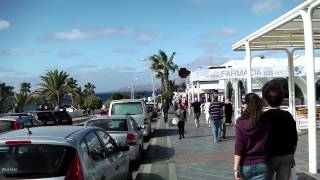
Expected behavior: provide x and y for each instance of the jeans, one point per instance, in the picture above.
(216, 129)
(281, 165)
(255, 172)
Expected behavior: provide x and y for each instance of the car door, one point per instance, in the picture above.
(119, 162)
(95, 160)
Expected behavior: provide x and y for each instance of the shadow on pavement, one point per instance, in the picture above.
(148, 176)
(165, 132)
(157, 153)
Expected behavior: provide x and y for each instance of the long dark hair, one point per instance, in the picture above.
(253, 111)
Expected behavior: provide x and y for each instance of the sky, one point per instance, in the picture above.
(108, 42)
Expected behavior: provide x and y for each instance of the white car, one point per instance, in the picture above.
(136, 108)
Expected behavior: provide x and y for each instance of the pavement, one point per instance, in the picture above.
(197, 157)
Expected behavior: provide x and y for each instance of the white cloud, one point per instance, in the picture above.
(13, 52)
(147, 38)
(126, 51)
(4, 24)
(228, 32)
(74, 34)
(69, 54)
(265, 7)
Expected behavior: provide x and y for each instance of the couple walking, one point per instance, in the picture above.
(265, 142)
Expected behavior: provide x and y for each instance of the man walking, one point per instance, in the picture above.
(196, 111)
(215, 111)
(206, 111)
(282, 144)
(165, 109)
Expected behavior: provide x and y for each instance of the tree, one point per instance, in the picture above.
(5, 93)
(25, 88)
(21, 101)
(162, 65)
(92, 102)
(74, 91)
(88, 89)
(54, 85)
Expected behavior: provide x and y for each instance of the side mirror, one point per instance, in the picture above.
(123, 147)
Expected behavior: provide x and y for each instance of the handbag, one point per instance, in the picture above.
(174, 121)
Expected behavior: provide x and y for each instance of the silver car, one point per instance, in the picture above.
(62, 153)
(134, 107)
(124, 129)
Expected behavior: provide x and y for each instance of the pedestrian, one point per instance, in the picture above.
(283, 142)
(165, 108)
(181, 116)
(228, 111)
(196, 105)
(252, 133)
(206, 111)
(215, 111)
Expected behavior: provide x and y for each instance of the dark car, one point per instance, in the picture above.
(63, 117)
(11, 122)
(46, 117)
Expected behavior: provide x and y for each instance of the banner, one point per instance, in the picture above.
(302, 116)
(241, 73)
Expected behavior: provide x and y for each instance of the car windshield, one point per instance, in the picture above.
(130, 108)
(35, 160)
(110, 124)
(6, 125)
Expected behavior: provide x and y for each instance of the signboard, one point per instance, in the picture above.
(232, 73)
(302, 116)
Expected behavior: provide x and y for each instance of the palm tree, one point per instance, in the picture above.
(72, 88)
(5, 93)
(21, 100)
(25, 88)
(54, 85)
(161, 65)
(88, 89)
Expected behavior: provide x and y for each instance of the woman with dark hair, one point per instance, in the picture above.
(252, 132)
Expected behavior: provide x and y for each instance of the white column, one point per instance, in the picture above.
(198, 86)
(291, 85)
(311, 94)
(236, 99)
(192, 93)
(248, 61)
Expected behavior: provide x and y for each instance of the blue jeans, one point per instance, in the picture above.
(216, 129)
(255, 172)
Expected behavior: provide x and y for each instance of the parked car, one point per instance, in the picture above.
(152, 110)
(63, 117)
(14, 122)
(47, 117)
(63, 153)
(124, 129)
(134, 107)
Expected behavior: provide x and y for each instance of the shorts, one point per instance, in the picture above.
(197, 115)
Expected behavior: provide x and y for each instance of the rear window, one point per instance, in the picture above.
(110, 124)
(45, 116)
(35, 160)
(131, 108)
(6, 125)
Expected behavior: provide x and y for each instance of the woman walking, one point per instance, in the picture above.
(180, 113)
(252, 132)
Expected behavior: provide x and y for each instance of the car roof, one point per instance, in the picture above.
(8, 117)
(127, 100)
(109, 117)
(45, 134)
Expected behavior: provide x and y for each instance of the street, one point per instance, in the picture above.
(196, 157)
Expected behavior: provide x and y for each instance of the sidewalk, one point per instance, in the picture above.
(196, 157)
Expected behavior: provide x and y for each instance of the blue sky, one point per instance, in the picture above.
(105, 42)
